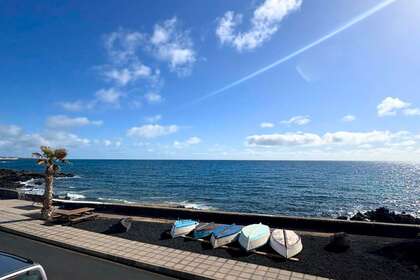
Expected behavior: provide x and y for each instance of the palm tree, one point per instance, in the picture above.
(50, 158)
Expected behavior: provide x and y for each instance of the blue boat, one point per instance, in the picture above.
(225, 234)
(183, 227)
(204, 230)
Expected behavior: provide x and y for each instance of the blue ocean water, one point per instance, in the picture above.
(307, 188)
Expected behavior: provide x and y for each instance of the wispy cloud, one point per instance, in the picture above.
(169, 43)
(153, 119)
(151, 131)
(124, 68)
(264, 24)
(75, 106)
(122, 45)
(348, 118)
(190, 141)
(128, 74)
(109, 96)
(331, 138)
(266, 125)
(299, 51)
(297, 120)
(153, 97)
(64, 122)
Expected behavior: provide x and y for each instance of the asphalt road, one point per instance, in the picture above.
(65, 264)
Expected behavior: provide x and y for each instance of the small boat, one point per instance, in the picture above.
(203, 230)
(286, 242)
(225, 234)
(183, 227)
(254, 236)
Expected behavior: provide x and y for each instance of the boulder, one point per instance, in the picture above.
(339, 243)
(122, 226)
(359, 217)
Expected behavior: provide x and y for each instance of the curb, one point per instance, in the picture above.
(117, 259)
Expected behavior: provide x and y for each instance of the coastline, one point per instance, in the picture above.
(29, 184)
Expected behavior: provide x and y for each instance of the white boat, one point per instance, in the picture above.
(225, 234)
(254, 236)
(286, 242)
(183, 227)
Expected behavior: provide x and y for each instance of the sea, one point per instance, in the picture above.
(299, 188)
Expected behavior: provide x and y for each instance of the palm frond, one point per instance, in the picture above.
(37, 155)
(60, 154)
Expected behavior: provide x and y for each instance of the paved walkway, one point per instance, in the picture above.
(178, 263)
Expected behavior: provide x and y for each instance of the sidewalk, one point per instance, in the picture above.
(15, 218)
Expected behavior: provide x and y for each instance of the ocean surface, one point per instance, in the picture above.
(304, 188)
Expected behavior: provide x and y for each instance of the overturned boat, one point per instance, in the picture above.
(286, 242)
(254, 236)
(225, 234)
(204, 230)
(183, 227)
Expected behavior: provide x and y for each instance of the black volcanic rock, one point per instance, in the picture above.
(384, 215)
(339, 243)
(11, 179)
(122, 226)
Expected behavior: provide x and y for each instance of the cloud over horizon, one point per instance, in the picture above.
(149, 131)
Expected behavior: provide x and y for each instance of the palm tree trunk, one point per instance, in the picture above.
(48, 193)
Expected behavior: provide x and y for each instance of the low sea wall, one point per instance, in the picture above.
(274, 221)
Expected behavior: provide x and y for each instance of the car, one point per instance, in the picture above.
(13, 267)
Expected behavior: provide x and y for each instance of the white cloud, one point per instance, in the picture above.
(72, 106)
(264, 24)
(357, 138)
(169, 43)
(286, 139)
(331, 138)
(64, 139)
(297, 120)
(390, 105)
(110, 96)
(122, 45)
(153, 97)
(128, 74)
(190, 141)
(412, 112)
(14, 140)
(107, 142)
(10, 130)
(266, 125)
(153, 119)
(348, 118)
(151, 130)
(62, 122)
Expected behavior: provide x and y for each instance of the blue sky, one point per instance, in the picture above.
(130, 79)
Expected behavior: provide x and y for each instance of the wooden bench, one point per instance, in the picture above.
(74, 215)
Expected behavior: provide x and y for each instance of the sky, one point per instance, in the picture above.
(258, 79)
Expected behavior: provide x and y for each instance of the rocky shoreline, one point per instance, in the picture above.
(12, 179)
(383, 215)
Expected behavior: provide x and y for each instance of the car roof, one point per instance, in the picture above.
(10, 263)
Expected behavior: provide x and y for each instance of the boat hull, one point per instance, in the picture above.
(294, 243)
(218, 242)
(177, 231)
(204, 230)
(254, 236)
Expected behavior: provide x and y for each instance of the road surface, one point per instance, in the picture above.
(65, 264)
